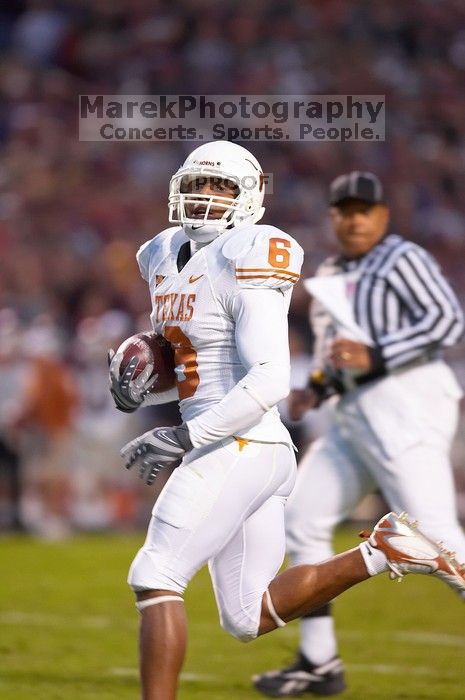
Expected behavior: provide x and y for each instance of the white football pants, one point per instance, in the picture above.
(224, 505)
(395, 435)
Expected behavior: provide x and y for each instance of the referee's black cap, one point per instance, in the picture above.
(356, 185)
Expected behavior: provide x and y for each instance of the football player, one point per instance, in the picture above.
(220, 287)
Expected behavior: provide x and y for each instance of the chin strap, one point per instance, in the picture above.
(206, 233)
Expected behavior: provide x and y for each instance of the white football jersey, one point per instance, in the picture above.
(193, 309)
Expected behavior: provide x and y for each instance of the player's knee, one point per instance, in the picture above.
(240, 625)
(151, 572)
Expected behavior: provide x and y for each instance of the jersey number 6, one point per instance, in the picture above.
(185, 357)
(278, 256)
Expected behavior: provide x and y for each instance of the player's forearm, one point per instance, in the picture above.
(242, 407)
(157, 399)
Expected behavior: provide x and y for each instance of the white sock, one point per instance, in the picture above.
(375, 560)
(318, 639)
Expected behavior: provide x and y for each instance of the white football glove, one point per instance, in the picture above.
(128, 393)
(157, 449)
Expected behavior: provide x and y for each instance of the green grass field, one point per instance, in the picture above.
(68, 631)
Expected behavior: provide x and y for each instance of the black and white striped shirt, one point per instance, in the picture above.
(400, 298)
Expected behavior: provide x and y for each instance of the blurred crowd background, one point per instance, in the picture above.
(72, 214)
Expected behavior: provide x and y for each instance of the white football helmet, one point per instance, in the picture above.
(225, 161)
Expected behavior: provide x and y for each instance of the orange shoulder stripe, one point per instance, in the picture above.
(267, 277)
(267, 269)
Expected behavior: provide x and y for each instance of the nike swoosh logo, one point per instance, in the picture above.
(192, 278)
(165, 437)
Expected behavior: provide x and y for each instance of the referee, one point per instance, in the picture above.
(396, 407)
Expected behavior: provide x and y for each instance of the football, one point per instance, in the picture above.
(150, 348)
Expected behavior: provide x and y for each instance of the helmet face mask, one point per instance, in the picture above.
(223, 166)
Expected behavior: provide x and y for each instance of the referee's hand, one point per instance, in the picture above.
(347, 354)
(300, 401)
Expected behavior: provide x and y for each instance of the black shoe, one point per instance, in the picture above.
(303, 677)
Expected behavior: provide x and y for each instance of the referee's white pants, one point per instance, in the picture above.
(224, 505)
(394, 435)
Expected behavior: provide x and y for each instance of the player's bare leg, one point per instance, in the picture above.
(395, 544)
(163, 636)
(163, 629)
(302, 589)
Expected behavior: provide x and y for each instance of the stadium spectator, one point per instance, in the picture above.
(47, 418)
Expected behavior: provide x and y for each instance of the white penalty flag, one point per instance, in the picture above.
(334, 293)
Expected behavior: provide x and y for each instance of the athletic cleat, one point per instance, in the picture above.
(302, 677)
(408, 551)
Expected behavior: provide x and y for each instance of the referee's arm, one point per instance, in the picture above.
(436, 316)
